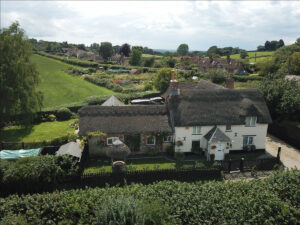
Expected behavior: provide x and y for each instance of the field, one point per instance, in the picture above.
(46, 131)
(149, 56)
(261, 56)
(60, 88)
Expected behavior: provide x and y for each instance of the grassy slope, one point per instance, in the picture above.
(252, 54)
(60, 88)
(36, 133)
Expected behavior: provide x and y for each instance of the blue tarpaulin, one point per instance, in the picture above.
(16, 154)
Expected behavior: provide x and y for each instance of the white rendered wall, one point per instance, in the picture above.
(236, 135)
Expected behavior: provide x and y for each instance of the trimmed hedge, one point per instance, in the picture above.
(245, 78)
(34, 174)
(274, 200)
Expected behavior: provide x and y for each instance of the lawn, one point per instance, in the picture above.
(46, 131)
(60, 88)
(250, 84)
(96, 166)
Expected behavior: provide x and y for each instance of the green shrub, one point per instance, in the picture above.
(148, 87)
(273, 200)
(37, 173)
(64, 114)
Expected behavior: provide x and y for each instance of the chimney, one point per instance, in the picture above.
(228, 59)
(173, 85)
(230, 82)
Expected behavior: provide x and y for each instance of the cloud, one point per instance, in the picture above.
(157, 24)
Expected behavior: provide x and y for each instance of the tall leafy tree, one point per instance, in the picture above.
(125, 49)
(183, 49)
(162, 79)
(135, 57)
(106, 50)
(18, 76)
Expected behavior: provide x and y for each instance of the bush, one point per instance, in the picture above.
(52, 117)
(64, 114)
(217, 76)
(148, 87)
(104, 82)
(273, 200)
(36, 173)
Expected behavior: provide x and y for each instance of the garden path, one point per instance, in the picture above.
(290, 156)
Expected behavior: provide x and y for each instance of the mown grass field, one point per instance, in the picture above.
(60, 88)
(261, 56)
(46, 131)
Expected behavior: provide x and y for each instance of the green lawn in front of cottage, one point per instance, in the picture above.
(97, 166)
(46, 131)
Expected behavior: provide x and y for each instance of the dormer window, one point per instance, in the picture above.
(251, 121)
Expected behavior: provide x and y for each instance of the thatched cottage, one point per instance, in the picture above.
(203, 116)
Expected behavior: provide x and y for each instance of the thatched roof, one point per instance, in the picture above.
(113, 101)
(215, 135)
(124, 119)
(217, 107)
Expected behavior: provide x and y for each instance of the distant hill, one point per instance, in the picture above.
(164, 50)
(60, 88)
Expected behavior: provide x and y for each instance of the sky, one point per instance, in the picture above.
(157, 24)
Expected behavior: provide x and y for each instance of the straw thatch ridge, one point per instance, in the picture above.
(217, 107)
(124, 119)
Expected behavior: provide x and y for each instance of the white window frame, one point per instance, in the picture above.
(168, 138)
(196, 130)
(149, 137)
(248, 142)
(250, 121)
(112, 140)
(227, 127)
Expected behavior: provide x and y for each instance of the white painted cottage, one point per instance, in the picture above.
(216, 119)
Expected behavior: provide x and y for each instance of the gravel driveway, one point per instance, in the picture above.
(290, 156)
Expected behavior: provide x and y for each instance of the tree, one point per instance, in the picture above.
(95, 47)
(268, 46)
(294, 63)
(162, 79)
(18, 76)
(81, 46)
(171, 62)
(261, 48)
(280, 43)
(217, 76)
(243, 54)
(116, 49)
(135, 57)
(125, 49)
(212, 50)
(183, 49)
(106, 50)
(298, 41)
(149, 61)
(282, 97)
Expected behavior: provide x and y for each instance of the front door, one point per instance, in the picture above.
(219, 153)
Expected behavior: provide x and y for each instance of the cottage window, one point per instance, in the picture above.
(110, 140)
(251, 121)
(196, 130)
(228, 127)
(168, 139)
(248, 140)
(150, 140)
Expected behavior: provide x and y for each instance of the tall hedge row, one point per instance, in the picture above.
(274, 200)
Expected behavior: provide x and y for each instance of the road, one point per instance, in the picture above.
(290, 156)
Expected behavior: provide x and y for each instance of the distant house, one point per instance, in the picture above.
(196, 115)
(228, 64)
